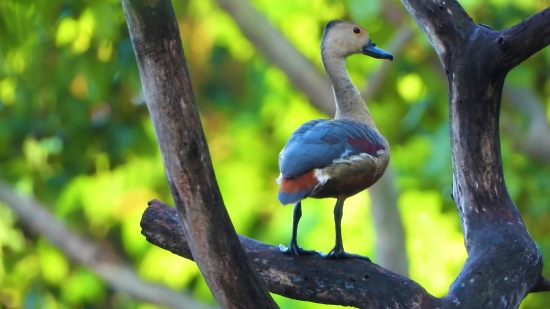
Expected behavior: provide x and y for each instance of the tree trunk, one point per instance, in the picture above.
(476, 60)
(169, 95)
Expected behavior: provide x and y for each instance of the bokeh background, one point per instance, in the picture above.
(77, 142)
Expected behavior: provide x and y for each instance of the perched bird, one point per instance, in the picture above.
(338, 157)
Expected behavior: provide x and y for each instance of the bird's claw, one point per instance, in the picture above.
(335, 254)
(296, 250)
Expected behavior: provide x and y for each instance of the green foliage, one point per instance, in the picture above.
(75, 133)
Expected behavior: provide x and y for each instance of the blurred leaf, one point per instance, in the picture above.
(53, 264)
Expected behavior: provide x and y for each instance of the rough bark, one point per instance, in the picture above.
(351, 282)
(169, 95)
(503, 260)
(521, 41)
(394, 46)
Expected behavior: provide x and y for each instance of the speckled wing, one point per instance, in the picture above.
(317, 143)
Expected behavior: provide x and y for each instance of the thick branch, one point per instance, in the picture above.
(390, 234)
(503, 260)
(351, 282)
(100, 259)
(170, 99)
(524, 39)
(401, 37)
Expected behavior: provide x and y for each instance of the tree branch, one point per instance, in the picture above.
(351, 282)
(521, 41)
(279, 51)
(390, 234)
(401, 37)
(169, 95)
(537, 142)
(503, 260)
(100, 259)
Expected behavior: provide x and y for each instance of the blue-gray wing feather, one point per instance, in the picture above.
(317, 143)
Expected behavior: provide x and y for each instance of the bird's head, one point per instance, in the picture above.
(344, 38)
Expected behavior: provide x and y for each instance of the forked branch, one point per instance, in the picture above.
(501, 253)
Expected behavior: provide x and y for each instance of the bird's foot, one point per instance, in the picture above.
(339, 253)
(296, 250)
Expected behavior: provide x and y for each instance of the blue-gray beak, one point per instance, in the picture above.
(371, 50)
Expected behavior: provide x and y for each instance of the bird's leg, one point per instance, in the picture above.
(293, 247)
(338, 251)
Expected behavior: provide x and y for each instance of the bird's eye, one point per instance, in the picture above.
(356, 30)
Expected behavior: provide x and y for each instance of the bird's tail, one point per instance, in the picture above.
(295, 189)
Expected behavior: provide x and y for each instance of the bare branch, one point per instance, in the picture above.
(169, 95)
(376, 79)
(100, 259)
(351, 282)
(390, 234)
(524, 39)
(279, 51)
(537, 142)
(501, 253)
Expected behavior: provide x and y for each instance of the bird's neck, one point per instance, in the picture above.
(349, 103)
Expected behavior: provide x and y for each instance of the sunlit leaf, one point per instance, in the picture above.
(82, 286)
(53, 264)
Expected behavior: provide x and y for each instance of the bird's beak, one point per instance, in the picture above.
(371, 50)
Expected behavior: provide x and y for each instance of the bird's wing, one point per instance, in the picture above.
(318, 143)
(298, 133)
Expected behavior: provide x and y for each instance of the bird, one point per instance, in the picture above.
(340, 157)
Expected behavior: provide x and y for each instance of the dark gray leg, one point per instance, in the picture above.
(338, 251)
(293, 248)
